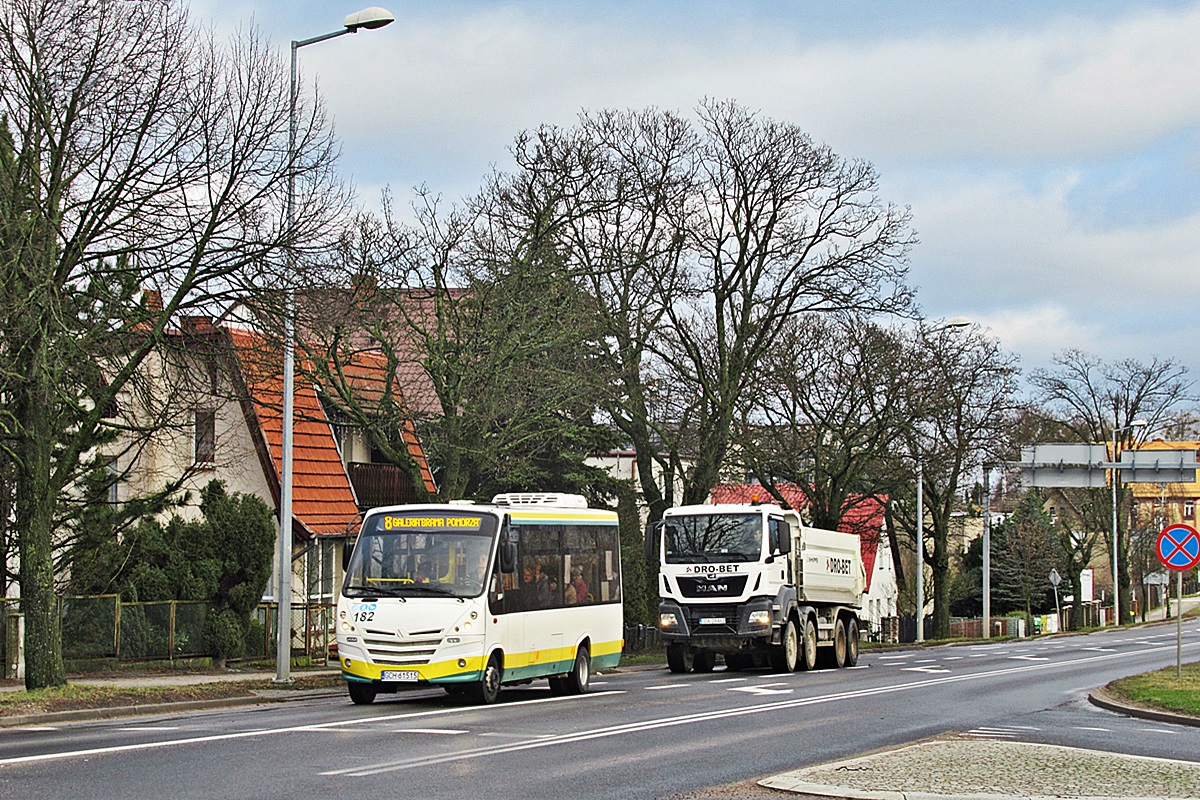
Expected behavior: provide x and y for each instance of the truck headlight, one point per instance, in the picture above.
(667, 620)
(761, 618)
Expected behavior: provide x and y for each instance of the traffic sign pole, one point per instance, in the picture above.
(1179, 550)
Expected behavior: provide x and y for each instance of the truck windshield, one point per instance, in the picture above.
(422, 555)
(713, 538)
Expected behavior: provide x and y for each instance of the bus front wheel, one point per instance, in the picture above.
(361, 694)
(487, 689)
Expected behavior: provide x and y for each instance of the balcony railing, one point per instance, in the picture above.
(381, 485)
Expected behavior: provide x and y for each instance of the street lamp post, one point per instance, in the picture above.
(1137, 423)
(987, 553)
(953, 322)
(368, 18)
(920, 552)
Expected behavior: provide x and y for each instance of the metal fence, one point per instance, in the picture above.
(641, 639)
(105, 627)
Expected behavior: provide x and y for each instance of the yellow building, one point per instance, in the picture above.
(1156, 505)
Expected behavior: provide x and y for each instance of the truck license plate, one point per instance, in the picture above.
(712, 620)
(406, 675)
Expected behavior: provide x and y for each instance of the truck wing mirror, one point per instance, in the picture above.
(652, 532)
(784, 545)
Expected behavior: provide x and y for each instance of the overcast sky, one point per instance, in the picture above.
(1048, 150)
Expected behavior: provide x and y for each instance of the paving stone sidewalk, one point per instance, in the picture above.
(979, 769)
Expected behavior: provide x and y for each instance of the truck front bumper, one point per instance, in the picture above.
(718, 627)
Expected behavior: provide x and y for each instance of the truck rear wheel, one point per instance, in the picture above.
(839, 644)
(808, 646)
(852, 643)
(786, 654)
(679, 658)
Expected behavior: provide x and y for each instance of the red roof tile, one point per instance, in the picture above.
(322, 498)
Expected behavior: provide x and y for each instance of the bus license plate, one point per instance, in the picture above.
(712, 620)
(404, 675)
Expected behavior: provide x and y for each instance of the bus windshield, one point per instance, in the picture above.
(713, 538)
(422, 554)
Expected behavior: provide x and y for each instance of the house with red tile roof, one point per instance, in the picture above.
(233, 431)
(866, 520)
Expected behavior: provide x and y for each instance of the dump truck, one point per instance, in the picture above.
(752, 583)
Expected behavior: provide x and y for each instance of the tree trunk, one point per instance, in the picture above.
(34, 517)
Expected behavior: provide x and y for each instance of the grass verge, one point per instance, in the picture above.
(76, 696)
(1161, 690)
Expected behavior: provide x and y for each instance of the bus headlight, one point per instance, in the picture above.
(667, 620)
(759, 618)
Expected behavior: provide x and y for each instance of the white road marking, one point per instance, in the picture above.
(325, 726)
(860, 666)
(729, 680)
(439, 731)
(667, 686)
(762, 689)
(526, 736)
(150, 728)
(1084, 728)
(928, 670)
(36, 728)
(1160, 730)
(1029, 658)
(894, 658)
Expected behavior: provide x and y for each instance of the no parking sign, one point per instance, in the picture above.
(1179, 547)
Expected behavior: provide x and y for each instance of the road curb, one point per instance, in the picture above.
(151, 709)
(1102, 699)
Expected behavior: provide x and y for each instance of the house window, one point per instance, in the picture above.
(1189, 509)
(206, 437)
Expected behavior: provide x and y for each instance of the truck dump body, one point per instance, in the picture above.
(829, 567)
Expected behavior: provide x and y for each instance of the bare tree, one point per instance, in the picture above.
(699, 243)
(150, 157)
(1091, 399)
(961, 396)
(828, 406)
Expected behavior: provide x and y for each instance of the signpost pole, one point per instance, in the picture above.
(1179, 550)
(1178, 625)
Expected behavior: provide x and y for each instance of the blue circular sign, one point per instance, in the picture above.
(1179, 547)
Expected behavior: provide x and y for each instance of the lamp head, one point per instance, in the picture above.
(957, 322)
(369, 18)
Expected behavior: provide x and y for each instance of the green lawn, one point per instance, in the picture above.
(1162, 690)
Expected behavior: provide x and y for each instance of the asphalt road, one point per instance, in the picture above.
(643, 734)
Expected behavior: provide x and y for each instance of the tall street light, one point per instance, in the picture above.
(1137, 423)
(987, 553)
(953, 322)
(368, 18)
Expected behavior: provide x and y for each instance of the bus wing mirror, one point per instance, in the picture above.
(508, 549)
(508, 557)
(347, 553)
(652, 532)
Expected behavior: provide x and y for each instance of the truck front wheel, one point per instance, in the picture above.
(785, 655)
(679, 658)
